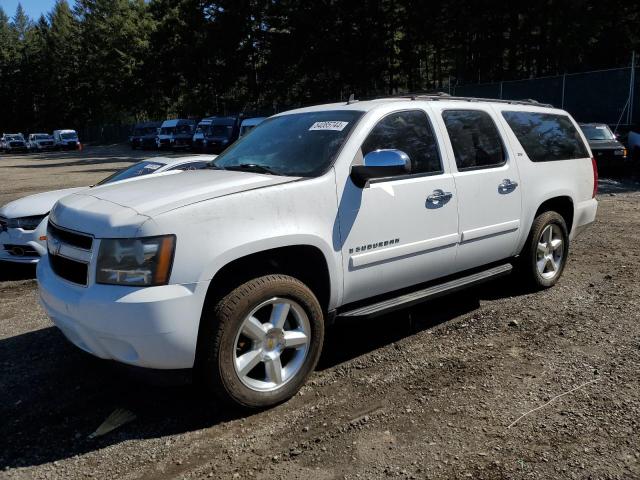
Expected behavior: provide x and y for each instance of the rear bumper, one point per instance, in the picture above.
(154, 327)
(584, 215)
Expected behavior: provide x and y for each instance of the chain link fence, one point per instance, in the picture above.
(606, 96)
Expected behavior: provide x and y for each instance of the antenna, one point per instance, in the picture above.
(352, 99)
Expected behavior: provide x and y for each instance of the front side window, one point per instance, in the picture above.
(410, 132)
(297, 144)
(545, 136)
(475, 139)
(137, 170)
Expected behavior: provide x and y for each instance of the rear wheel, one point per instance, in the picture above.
(261, 342)
(545, 254)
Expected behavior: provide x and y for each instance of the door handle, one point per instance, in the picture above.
(507, 186)
(439, 197)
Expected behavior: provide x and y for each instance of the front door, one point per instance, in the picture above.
(403, 230)
(488, 186)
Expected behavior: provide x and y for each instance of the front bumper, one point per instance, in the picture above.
(25, 240)
(153, 327)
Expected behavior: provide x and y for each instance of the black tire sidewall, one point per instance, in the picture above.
(218, 371)
(540, 223)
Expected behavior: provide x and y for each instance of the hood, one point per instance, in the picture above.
(118, 209)
(38, 204)
(605, 144)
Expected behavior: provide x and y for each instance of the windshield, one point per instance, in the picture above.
(15, 137)
(69, 135)
(597, 132)
(42, 136)
(183, 129)
(167, 130)
(299, 144)
(136, 170)
(221, 131)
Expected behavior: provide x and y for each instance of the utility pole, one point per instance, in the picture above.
(632, 81)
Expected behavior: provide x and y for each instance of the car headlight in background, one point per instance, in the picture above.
(136, 262)
(25, 223)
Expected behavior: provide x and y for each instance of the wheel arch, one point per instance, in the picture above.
(563, 205)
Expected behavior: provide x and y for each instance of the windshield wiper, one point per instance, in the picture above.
(252, 167)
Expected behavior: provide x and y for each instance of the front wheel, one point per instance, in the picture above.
(261, 342)
(545, 254)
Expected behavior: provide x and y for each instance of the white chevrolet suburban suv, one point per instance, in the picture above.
(341, 210)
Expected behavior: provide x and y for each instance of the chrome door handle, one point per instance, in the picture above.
(507, 186)
(439, 197)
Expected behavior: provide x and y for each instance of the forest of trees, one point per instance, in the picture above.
(97, 62)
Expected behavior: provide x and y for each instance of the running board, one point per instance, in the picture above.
(413, 298)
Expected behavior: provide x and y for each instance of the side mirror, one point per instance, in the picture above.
(380, 164)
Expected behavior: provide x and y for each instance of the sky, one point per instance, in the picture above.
(34, 8)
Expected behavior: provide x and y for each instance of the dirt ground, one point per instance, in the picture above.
(429, 393)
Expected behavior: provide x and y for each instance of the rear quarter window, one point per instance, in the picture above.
(546, 136)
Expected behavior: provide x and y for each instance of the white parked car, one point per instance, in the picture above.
(344, 210)
(66, 139)
(23, 222)
(39, 142)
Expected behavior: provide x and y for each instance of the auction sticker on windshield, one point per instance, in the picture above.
(329, 125)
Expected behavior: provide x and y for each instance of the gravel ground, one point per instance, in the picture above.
(436, 392)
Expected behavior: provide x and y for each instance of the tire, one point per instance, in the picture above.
(229, 342)
(542, 268)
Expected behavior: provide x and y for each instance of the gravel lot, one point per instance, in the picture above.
(429, 393)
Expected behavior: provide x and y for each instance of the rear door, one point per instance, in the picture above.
(487, 182)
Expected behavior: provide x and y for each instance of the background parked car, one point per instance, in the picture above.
(217, 133)
(176, 133)
(249, 123)
(23, 222)
(66, 139)
(39, 142)
(13, 143)
(144, 135)
(609, 153)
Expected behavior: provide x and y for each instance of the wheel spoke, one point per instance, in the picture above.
(556, 244)
(542, 264)
(279, 314)
(554, 265)
(273, 368)
(548, 234)
(294, 338)
(252, 328)
(247, 361)
(542, 248)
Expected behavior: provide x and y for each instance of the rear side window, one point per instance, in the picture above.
(546, 136)
(475, 139)
(410, 132)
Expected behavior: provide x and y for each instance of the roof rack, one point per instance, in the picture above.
(446, 96)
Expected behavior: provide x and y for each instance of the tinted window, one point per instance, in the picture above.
(136, 170)
(297, 144)
(409, 132)
(546, 136)
(475, 139)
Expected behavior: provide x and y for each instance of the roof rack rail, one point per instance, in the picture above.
(445, 96)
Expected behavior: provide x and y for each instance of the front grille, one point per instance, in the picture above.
(21, 250)
(76, 272)
(75, 239)
(16, 144)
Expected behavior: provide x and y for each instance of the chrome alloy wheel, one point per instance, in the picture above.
(272, 344)
(550, 251)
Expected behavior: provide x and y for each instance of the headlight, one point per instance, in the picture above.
(136, 262)
(25, 223)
